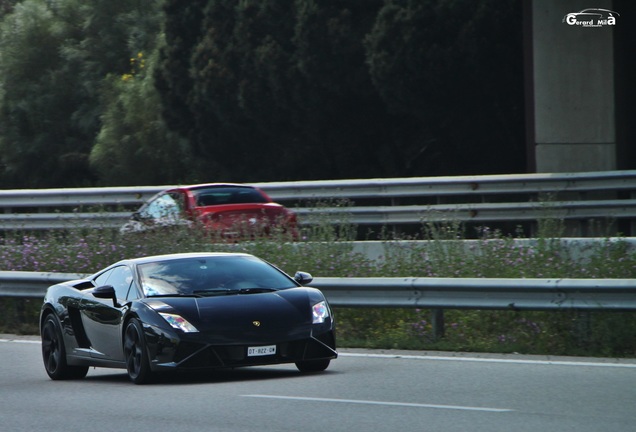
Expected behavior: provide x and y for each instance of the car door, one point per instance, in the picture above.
(102, 318)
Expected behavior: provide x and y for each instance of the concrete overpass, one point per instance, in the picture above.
(580, 86)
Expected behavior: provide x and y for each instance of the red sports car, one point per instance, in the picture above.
(224, 209)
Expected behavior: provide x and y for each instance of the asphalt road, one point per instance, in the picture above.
(361, 391)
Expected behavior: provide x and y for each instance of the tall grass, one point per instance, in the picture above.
(325, 251)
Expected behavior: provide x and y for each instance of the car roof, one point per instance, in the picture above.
(212, 185)
(169, 257)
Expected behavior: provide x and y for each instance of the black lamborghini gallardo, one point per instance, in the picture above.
(185, 312)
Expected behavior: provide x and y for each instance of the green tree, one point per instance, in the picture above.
(173, 78)
(277, 89)
(343, 117)
(452, 70)
(55, 58)
(134, 147)
(258, 90)
(38, 95)
(6, 6)
(346, 88)
(218, 85)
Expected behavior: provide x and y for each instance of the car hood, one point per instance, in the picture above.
(241, 314)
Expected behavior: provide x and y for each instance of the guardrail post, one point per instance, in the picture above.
(632, 222)
(583, 329)
(437, 322)
(20, 311)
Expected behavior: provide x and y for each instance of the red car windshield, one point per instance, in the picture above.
(221, 195)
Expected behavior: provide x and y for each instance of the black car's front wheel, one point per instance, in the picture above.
(135, 353)
(313, 365)
(54, 354)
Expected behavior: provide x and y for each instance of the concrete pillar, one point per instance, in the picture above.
(573, 89)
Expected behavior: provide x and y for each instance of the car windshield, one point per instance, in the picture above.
(207, 276)
(220, 195)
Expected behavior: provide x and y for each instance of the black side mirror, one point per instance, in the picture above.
(106, 292)
(303, 278)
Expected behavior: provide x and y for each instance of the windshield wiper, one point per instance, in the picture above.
(232, 291)
(255, 290)
(175, 295)
(215, 291)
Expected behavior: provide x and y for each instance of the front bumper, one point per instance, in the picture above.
(194, 352)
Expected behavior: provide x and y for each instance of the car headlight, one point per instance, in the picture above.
(178, 322)
(320, 312)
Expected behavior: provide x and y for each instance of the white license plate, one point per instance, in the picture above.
(261, 350)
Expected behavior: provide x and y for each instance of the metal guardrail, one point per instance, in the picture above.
(66, 208)
(357, 188)
(26, 284)
(56, 198)
(369, 215)
(442, 293)
(481, 293)
(501, 184)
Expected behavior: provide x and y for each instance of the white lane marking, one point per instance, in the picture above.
(490, 360)
(369, 402)
(27, 341)
(445, 358)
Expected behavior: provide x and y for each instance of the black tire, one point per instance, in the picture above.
(136, 354)
(313, 365)
(54, 353)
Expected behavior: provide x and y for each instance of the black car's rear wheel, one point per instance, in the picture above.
(313, 365)
(54, 354)
(135, 353)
